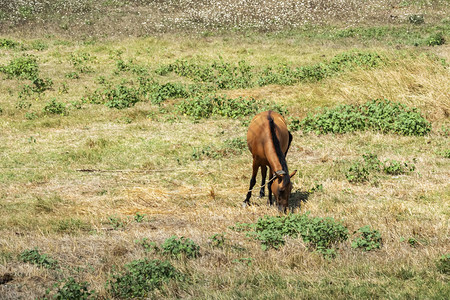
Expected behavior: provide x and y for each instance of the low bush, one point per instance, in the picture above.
(141, 277)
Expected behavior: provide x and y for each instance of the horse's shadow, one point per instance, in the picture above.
(297, 198)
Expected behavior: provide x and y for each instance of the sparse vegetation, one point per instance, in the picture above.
(124, 161)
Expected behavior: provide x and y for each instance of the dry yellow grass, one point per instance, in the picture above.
(146, 164)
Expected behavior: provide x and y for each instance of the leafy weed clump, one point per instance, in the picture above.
(55, 108)
(70, 289)
(23, 67)
(368, 239)
(33, 256)
(394, 167)
(8, 44)
(180, 247)
(141, 277)
(377, 115)
(119, 97)
(321, 234)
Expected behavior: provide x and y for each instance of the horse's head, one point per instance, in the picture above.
(281, 189)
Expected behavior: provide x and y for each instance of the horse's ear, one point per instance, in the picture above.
(293, 173)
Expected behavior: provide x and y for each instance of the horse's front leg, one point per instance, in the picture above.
(263, 181)
(252, 183)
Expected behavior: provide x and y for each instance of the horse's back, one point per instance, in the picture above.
(258, 133)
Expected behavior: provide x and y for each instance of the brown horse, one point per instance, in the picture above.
(268, 140)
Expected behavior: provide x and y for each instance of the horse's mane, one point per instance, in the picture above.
(277, 146)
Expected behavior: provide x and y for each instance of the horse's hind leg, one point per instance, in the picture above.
(252, 183)
(263, 181)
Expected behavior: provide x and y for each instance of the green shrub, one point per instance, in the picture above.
(55, 107)
(321, 234)
(368, 239)
(23, 67)
(180, 247)
(70, 289)
(33, 256)
(443, 264)
(140, 277)
(377, 115)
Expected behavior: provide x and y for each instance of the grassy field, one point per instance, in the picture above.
(113, 142)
